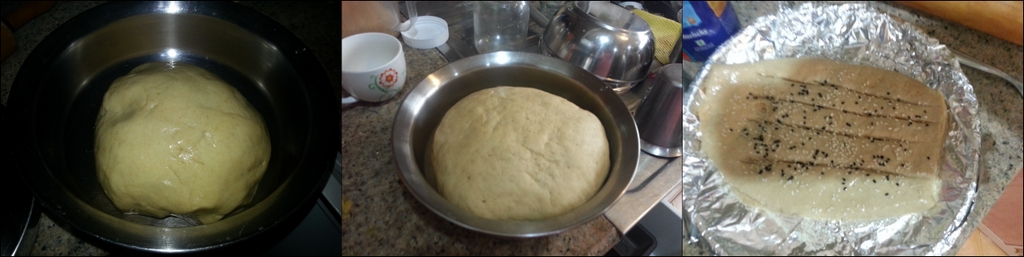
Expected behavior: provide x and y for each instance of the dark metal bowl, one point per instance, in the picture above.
(58, 92)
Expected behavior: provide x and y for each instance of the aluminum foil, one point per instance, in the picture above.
(857, 34)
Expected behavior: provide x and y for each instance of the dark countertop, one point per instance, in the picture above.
(316, 24)
(1000, 105)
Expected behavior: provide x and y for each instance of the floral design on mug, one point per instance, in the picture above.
(384, 82)
(388, 78)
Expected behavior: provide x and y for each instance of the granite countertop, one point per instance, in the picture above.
(387, 220)
(1000, 105)
(316, 24)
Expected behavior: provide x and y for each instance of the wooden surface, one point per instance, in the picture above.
(980, 245)
(1005, 221)
(997, 18)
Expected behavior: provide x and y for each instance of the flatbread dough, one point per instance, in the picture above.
(515, 153)
(822, 139)
(176, 139)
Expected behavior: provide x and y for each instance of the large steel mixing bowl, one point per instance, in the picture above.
(57, 94)
(603, 38)
(427, 103)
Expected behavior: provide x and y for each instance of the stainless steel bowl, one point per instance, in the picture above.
(57, 94)
(423, 108)
(603, 38)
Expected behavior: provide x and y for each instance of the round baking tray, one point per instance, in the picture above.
(856, 34)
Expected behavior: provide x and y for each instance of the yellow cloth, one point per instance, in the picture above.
(666, 33)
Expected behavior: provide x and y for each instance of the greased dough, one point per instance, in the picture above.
(176, 139)
(822, 139)
(515, 153)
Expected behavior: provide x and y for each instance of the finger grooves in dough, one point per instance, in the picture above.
(773, 141)
(785, 134)
(839, 98)
(825, 83)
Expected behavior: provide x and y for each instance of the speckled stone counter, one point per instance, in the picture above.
(1000, 104)
(316, 24)
(387, 220)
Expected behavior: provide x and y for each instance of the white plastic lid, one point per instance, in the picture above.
(428, 32)
(635, 5)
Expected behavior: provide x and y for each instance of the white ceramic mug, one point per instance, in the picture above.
(372, 67)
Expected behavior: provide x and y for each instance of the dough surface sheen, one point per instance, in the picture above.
(516, 153)
(176, 139)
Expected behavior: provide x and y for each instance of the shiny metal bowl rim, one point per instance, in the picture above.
(414, 180)
(579, 10)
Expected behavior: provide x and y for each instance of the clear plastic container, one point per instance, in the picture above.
(500, 25)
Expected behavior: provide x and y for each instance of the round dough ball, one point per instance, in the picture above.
(515, 153)
(172, 138)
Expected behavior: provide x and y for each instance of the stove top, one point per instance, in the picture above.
(320, 232)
